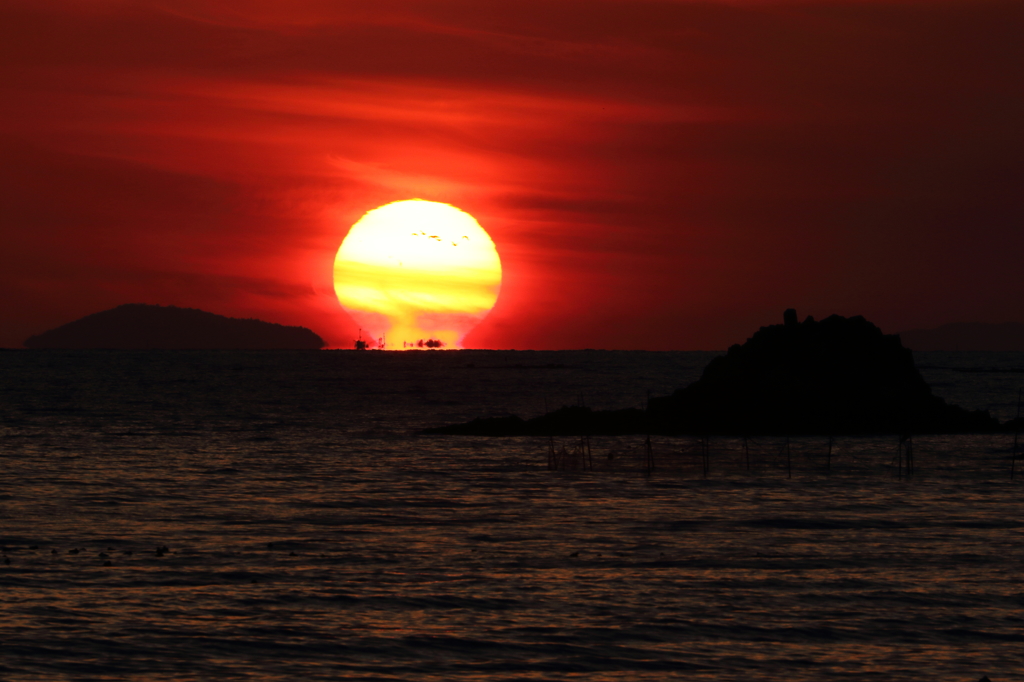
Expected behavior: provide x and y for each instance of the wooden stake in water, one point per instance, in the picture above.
(899, 457)
(1016, 436)
(908, 450)
(910, 455)
(789, 460)
(705, 452)
(905, 451)
(648, 456)
(828, 459)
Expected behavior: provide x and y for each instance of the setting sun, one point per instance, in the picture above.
(417, 273)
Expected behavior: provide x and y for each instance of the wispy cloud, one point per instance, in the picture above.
(641, 165)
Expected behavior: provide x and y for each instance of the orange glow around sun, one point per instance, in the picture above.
(417, 271)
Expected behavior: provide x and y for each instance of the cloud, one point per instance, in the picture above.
(653, 173)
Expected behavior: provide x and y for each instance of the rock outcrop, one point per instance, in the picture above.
(137, 326)
(838, 376)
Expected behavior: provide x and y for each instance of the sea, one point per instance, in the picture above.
(277, 515)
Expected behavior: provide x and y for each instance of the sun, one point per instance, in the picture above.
(417, 274)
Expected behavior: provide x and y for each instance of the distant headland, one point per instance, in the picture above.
(136, 326)
(1008, 336)
(837, 376)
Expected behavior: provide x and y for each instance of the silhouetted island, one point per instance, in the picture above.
(141, 326)
(1007, 336)
(838, 376)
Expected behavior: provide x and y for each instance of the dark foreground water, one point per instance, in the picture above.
(311, 534)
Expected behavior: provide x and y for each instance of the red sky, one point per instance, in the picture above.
(658, 175)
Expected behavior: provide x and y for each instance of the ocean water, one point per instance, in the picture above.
(310, 533)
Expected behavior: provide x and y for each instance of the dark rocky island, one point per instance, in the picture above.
(837, 376)
(137, 326)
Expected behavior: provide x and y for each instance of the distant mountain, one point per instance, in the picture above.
(142, 326)
(966, 336)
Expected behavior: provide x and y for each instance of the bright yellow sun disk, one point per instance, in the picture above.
(417, 270)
